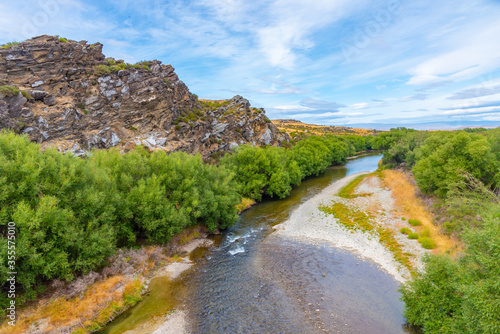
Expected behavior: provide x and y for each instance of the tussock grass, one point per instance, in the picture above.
(413, 235)
(404, 194)
(414, 222)
(405, 230)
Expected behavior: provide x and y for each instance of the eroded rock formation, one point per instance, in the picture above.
(68, 95)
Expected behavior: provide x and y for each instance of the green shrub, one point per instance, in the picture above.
(427, 243)
(102, 70)
(26, 95)
(413, 235)
(145, 67)
(63, 40)
(405, 230)
(110, 61)
(178, 127)
(414, 222)
(114, 68)
(9, 45)
(403, 218)
(71, 214)
(425, 233)
(9, 91)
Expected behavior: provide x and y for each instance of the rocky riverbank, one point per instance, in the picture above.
(366, 222)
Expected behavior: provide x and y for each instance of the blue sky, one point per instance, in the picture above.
(334, 62)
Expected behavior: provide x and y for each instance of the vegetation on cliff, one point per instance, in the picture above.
(461, 170)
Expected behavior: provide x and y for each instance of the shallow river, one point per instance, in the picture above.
(253, 283)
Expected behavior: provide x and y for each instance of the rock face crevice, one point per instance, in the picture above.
(74, 98)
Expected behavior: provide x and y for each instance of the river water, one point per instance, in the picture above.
(253, 283)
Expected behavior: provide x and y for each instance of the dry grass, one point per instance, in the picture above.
(88, 312)
(410, 206)
(290, 126)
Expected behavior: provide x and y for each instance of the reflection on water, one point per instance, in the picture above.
(255, 284)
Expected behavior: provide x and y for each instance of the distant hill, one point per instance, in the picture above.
(297, 129)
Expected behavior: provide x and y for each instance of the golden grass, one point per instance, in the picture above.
(403, 191)
(245, 204)
(320, 130)
(88, 312)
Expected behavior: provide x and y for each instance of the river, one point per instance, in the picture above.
(251, 283)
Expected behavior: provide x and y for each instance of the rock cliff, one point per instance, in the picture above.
(67, 94)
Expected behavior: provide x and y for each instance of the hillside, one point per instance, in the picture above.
(297, 129)
(67, 94)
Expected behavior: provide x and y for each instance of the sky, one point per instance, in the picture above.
(419, 64)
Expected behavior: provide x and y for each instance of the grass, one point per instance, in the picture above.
(9, 91)
(427, 243)
(349, 217)
(414, 222)
(405, 230)
(413, 235)
(348, 190)
(411, 206)
(355, 219)
(26, 95)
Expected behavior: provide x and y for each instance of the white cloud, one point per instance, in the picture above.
(475, 53)
(361, 105)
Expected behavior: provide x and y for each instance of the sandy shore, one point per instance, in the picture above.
(308, 224)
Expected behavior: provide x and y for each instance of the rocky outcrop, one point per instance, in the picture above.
(72, 97)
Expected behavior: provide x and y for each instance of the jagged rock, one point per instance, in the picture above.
(15, 104)
(38, 95)
(266, 137)
(50, 100)
(78, 107)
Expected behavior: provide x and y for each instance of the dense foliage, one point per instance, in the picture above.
(462, 170)
(71, 213)
(273, 171)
